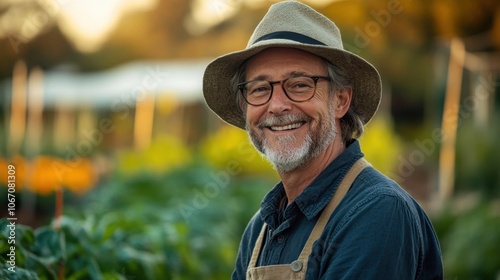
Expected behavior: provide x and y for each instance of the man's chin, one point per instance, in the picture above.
(288, 166)
(285, 158)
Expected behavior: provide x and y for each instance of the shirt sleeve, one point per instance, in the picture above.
(378, 238)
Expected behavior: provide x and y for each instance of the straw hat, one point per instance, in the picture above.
(292, 24)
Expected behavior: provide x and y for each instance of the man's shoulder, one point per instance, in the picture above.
(373, 189)
(372, 182)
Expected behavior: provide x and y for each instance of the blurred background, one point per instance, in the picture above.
(122, 171)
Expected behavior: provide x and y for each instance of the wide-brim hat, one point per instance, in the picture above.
(292, 24)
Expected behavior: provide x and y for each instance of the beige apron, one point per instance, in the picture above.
(297, 269)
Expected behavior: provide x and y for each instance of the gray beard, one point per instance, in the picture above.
(286, 159)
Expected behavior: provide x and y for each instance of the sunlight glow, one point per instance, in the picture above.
(88, 23)
(209, 13)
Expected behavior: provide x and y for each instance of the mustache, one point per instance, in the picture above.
(282, 119)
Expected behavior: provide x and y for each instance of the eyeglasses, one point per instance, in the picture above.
(296, 88)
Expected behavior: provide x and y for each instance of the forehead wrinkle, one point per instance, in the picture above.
(264, 77)
(274, 64)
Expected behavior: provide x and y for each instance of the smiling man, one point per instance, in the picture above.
(292, 121)
(304, 101)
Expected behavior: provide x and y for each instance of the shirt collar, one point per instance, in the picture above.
(317, 195)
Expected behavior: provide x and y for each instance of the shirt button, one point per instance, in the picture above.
(296, 266)
(281, 238)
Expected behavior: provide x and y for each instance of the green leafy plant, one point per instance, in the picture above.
(185, 224)
(470, 238)
(477, 158)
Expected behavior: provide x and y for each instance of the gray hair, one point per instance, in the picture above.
(351, 125)
(238, 78)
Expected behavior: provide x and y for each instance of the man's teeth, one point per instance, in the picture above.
(286, 127)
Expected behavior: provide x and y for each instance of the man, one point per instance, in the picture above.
(304, 100)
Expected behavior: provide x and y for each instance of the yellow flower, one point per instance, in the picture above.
(230, 146)
(164, 153)
(381, 145)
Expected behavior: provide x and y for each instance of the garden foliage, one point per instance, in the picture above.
(182, 217)
(185, 224)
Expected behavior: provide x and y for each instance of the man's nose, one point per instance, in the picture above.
(279, 102)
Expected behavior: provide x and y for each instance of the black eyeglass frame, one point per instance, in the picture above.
(241, 88)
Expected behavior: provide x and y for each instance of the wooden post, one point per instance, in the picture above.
(450, 120)
(34, 130)
(64, 127)
(143, 121)
(17, 123)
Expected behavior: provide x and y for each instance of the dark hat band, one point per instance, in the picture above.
(288, 35)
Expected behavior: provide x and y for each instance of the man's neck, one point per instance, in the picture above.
(298, 179)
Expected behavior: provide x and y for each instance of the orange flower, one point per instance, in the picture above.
(19, 165)
(44, 175)
(43, 180)
(81, 178)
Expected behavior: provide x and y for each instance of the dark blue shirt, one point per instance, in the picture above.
(377, 231)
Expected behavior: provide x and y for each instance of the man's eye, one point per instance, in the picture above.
(299, 88)
(259, 89)
(299, 85)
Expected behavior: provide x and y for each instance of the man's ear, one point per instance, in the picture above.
(342, 101)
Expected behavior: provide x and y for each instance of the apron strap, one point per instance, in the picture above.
(323, 219)
(341, 191)
(257, 247)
